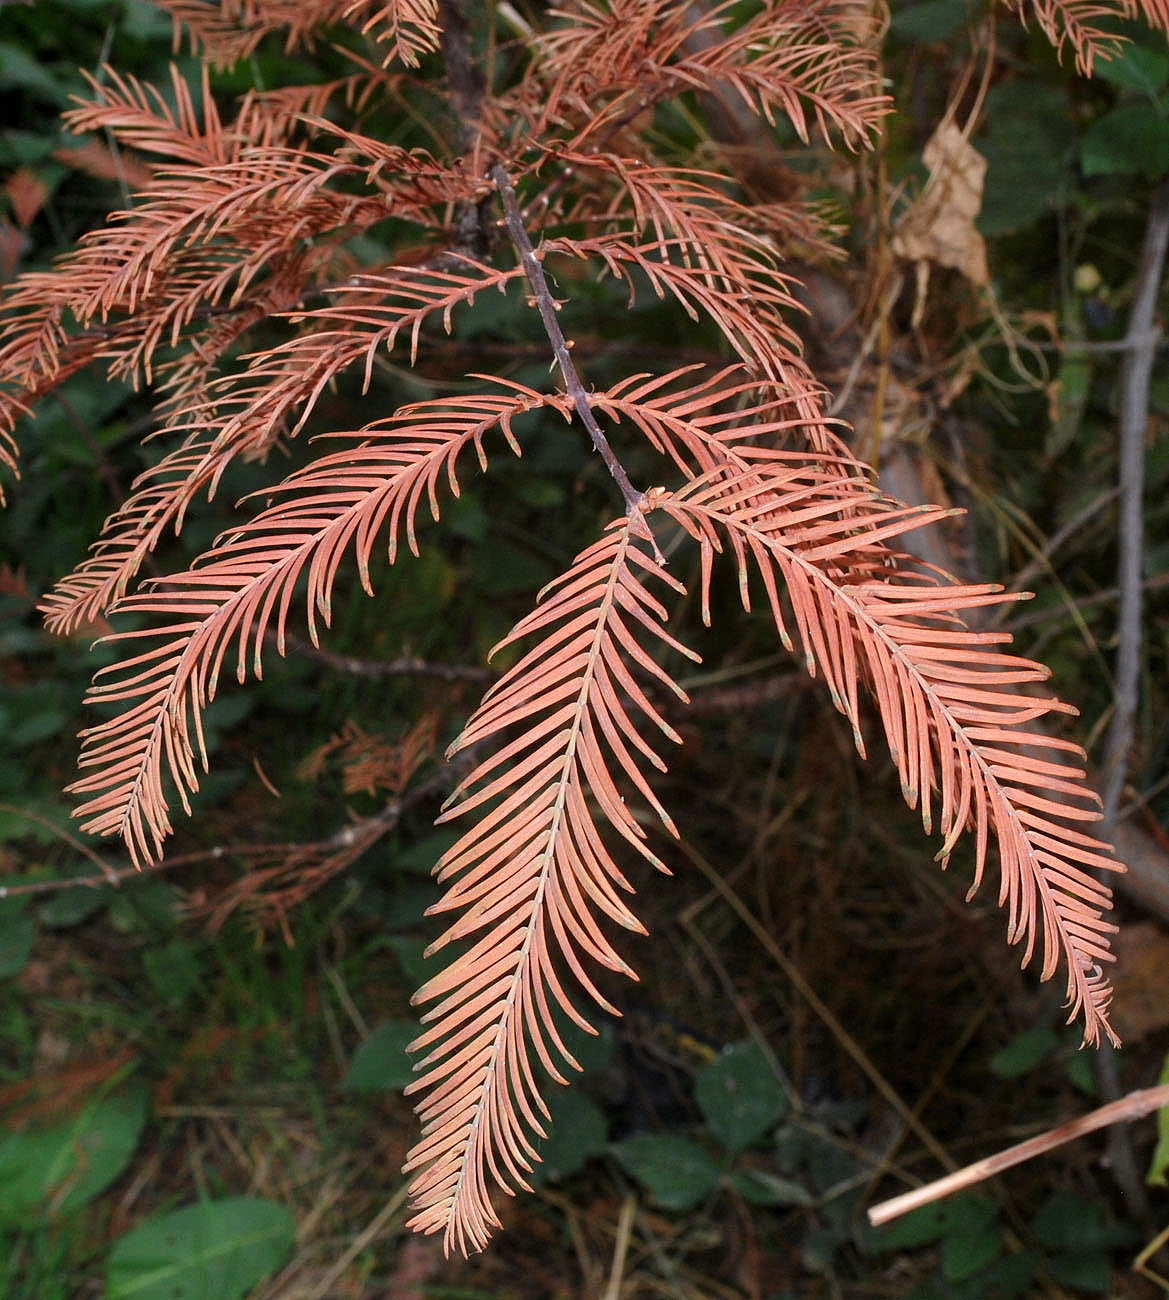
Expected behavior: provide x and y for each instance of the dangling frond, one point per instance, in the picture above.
(703, 424)
(245, 585)
(1088, 26)
(535, 874)
(228, 30)
(240, 415)
(812, 63)
(407, 29)
(959, 730)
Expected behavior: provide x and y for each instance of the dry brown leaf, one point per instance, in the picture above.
(939, 227)
(26, 194)
(1141, 980)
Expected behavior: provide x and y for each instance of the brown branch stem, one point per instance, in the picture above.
(404, 665)
(363, 832)
(1134, 417)
(635, 501)
(1135, 1106)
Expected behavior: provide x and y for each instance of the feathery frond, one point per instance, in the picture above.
(534, 875)
(246, 584)
(228, 30)
(812, 63)
(1078, 23)
(959, 731)
(240, 415)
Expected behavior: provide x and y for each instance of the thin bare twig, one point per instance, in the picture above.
(1135, 374)
(109, 876)
(1135, 1106)
(635, 501)
(403, 665)
(361, 833)
(1040, 563)
(1134, 416)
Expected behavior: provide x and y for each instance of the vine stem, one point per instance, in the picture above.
(635, 502)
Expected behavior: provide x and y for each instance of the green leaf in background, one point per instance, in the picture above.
(758, 1187)
(676, 1172)
(215, 1251)
(20, 71)
(18, 931)
(147, 906)
(933, 20)
(1071, 396)
(66, 908)
(1089, 1270)
(1156, 1177)
(40, 725)
(592, 1052)
(1069, 1222)
(174, 971)
(966, 1252)
(1132, 137)
(577, 1131)
(739, 1096)
(380, 1064)
(54, 1172)
(958, 1214)
(1023, 1053)
(1136, 67)
(1028, 146)
(411, 954)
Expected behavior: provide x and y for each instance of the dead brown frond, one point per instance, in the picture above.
(811, 63)
(533, 875)
(228, 30)
(958, 730)
(372, 764)
(246, 584)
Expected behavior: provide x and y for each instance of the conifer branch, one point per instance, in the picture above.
(635, 501)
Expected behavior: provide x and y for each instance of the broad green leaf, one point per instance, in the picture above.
(148, 906)
(1028, 147)
(958, 1215)
(144, 22)
(1132, 137)
(380, 1064)
(577, 1131)
(52, 1173)
(40, 724)
(592, 1052)
(1069, 1222)
(70, 906)
(174, 971)
(1136, 67)
(676, 1172)
(965, 1253)
(18, 932)
(20, 71)
(739, 1096)
(758, 1187)
(411, 955)
(215, 1251)
(1023, 1053)
(1088, 1270)
(934, 20)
